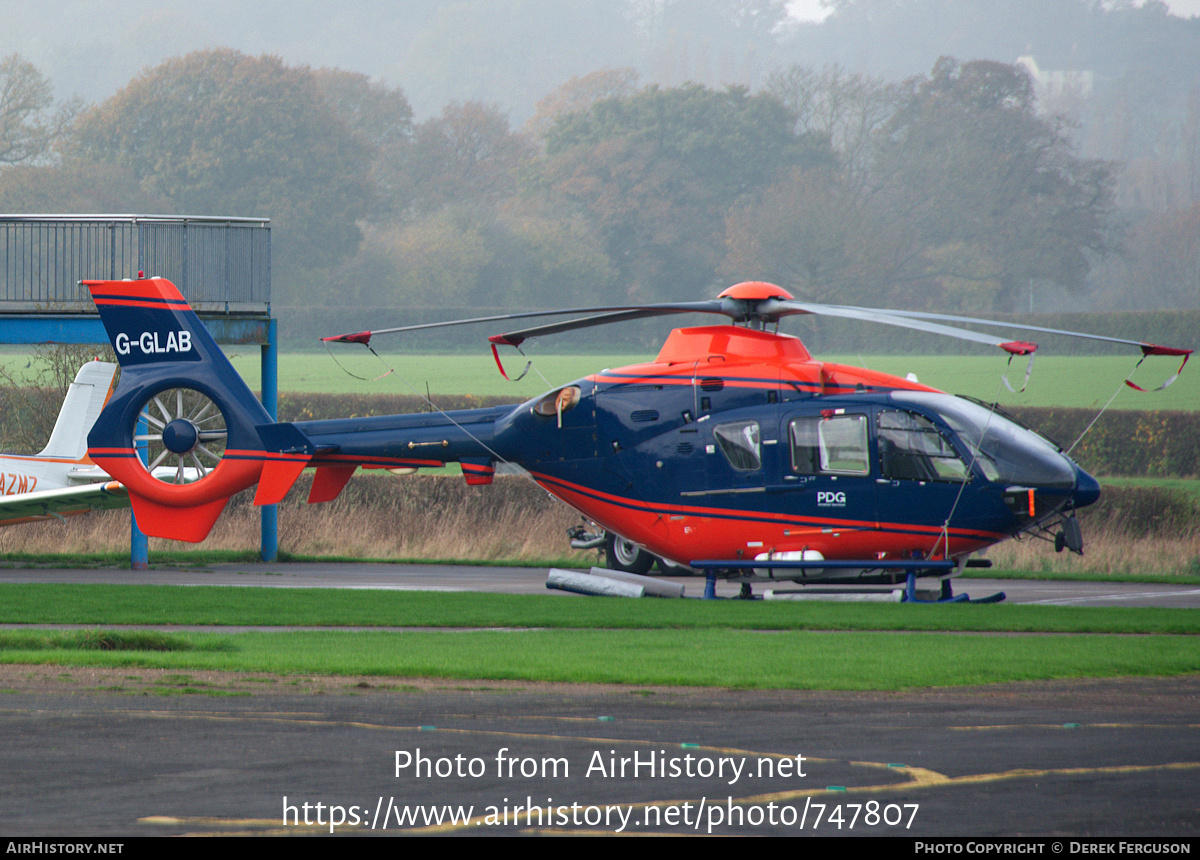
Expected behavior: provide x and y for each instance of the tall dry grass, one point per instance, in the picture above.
(1130, 531)
(377, 517)
(1133, 530)
(1105, 553)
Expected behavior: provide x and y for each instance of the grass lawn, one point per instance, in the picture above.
(557, 638)
(22, 603)
(720, 658)
(1191, 486)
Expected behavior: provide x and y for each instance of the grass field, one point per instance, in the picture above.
(715, 658)
(1072, 381)
(1191, 486)
(222, 605)
(564, 639)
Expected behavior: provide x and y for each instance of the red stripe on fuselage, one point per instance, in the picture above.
(685, 533)
(368, 462)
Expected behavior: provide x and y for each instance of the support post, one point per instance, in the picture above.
(270, 399)
(139, 544)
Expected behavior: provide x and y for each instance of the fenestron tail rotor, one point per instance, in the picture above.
(180, 436)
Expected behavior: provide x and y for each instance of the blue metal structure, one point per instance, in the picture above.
(223, 266)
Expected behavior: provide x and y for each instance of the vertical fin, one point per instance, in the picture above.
(328, 483)
(80, 409)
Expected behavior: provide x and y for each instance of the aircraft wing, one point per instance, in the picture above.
(62, 502)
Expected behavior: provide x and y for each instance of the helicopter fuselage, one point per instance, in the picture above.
(735, 444)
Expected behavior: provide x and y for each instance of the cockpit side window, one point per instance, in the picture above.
(1003, 451)
(739, 442)
(912, 449)
(835, 444)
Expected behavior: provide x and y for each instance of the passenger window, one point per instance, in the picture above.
(912, 449)
(739, 443)
(837, 444)
(806, 446)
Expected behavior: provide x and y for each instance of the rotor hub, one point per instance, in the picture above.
(755, 291)
(180, 436)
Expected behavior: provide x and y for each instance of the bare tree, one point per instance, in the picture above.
(29, 125)
(30, 397)
(845, 106)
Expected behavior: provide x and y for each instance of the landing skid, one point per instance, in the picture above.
(910, 592)
(710, 588)
(948, 595)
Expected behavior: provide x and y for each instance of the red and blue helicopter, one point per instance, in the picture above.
(733, 452)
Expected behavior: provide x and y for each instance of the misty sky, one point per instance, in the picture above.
(92, 48)
(812, 10)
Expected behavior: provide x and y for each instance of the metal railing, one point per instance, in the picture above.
(222, 265)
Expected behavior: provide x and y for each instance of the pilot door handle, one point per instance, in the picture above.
(786, 488)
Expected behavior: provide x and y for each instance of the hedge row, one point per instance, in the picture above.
(295, 406)
(1143, 512)
(1127, 443)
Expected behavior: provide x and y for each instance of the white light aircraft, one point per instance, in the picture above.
(61, 480)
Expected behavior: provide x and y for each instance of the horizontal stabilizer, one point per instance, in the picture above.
(61, 502)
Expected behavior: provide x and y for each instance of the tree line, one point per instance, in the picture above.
(947, 191)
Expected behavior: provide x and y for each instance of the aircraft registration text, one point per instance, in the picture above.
(12, 483)
(150, 343)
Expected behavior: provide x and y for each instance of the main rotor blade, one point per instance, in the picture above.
(1146, 348)
(515, 338)
(762, 310)
(773, 309)
(767, 310)
(609, 313)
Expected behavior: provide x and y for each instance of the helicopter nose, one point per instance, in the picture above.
(1087, 489)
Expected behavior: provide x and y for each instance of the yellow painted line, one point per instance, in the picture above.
(915, 778)
(1072, 726)
(919, 778)
(1026, 773)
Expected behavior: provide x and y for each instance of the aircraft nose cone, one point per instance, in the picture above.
(1087, 489)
